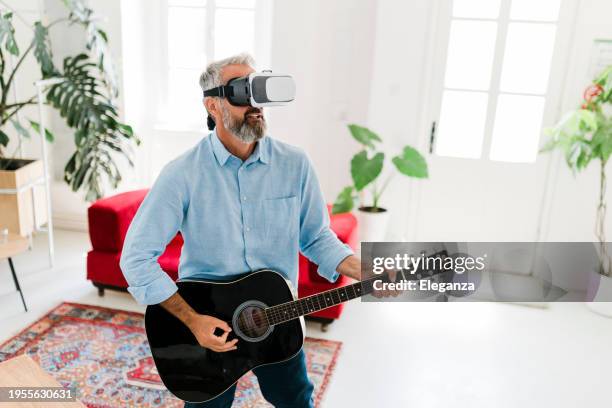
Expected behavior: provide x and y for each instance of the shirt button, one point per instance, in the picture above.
(243, 198)
(248, 229)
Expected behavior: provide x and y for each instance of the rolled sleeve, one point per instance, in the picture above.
(155, 224)
(330, 261)
(155, 291)
(317, 241)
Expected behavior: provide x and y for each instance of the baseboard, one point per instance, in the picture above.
(70, 221)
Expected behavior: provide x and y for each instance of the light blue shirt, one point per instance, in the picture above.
(234, 216)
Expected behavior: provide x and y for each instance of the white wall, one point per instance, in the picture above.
(328, 47)
(397, 87)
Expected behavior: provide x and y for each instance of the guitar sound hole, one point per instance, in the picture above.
(250, 321)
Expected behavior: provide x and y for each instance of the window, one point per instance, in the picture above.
(200, 31)
(495, 80)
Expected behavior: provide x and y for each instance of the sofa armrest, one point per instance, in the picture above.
(109, 219)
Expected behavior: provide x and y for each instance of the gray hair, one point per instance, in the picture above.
(211, 77)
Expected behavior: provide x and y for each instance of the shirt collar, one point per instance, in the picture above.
(222, 154)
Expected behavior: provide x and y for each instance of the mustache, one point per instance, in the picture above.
(252, 110)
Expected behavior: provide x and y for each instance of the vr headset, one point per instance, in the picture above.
(258, 89)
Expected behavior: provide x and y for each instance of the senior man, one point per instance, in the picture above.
(243, 201)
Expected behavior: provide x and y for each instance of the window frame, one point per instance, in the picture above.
(441, 16)
(261, 53)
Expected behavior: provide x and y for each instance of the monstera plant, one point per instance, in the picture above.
(84, 95)
(585, 136)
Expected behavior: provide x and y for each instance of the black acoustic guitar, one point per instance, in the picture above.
(263, 313)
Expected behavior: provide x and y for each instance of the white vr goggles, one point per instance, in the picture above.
(258, 89)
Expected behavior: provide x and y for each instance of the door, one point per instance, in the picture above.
(497, 70)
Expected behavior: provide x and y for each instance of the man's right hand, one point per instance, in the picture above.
(203, 328)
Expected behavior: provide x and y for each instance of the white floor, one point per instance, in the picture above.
(394, 355)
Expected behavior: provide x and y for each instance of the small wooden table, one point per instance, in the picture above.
(11, 245)
(22, 371)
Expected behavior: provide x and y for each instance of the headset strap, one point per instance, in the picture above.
(222, 91)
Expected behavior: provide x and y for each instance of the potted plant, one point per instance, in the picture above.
(366, 166)
(584, 136)
(84, 95)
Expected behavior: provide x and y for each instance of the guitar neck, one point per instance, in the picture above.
(307, 305)
(310, 304)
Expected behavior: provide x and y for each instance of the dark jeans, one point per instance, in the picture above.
(284, 385)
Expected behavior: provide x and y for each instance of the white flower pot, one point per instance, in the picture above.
(601, 303)
(372, 225)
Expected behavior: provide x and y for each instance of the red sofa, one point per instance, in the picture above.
(109, 219)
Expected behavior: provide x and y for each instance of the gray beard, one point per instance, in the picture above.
(241, 129)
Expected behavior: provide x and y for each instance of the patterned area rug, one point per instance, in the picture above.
(104, 354)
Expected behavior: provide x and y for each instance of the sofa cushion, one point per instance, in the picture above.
(109, 219)
(103, 267)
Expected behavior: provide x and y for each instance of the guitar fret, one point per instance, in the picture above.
(304, 305)
(295, 310)
(351, 296)
(310, 304)
(321, 301)
(275, 315)
(343, 294)
(315, 302)
(279, 312)
(336, 298)
(284, 313)
(325, 301)
(328, 301)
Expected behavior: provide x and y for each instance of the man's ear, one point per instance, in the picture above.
(211, 107)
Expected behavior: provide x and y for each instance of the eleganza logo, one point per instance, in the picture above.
(485, 271)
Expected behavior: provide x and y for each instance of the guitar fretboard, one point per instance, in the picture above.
(292, 310)
(310, 304)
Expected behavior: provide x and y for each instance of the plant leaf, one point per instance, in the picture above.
(344, 202)
(364, 170)
(364, 135)
(42, 50)
(549, 145)
(97, 42)
(4, 139)
(20, 129)
(99, 135)
(588, 118)
(7, 33)
(48, 135)
(411, 163)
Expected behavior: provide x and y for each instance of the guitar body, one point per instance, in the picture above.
(196, 374)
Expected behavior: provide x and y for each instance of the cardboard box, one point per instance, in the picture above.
(22, 211)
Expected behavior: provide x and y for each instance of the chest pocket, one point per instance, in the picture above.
(281, 218)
